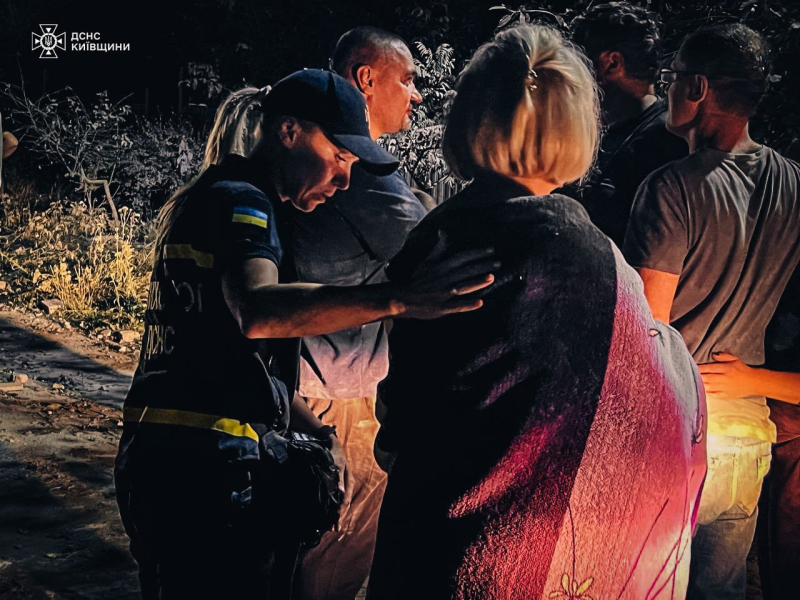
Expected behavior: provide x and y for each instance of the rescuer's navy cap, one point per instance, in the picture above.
(330, 101)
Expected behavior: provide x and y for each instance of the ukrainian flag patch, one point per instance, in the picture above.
(250, 216)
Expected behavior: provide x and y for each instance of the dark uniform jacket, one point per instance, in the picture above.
(198, 375)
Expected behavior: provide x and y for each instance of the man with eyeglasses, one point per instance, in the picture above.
(348, 241)
(624, 44)
(716, 237)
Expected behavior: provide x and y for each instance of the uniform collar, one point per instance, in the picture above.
(250, 170)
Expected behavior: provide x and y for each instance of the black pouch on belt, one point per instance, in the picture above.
(301, 470)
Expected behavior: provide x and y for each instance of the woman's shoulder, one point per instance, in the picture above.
(480, 212)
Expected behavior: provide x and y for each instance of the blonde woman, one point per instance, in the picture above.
(237, 126)
(551, 444)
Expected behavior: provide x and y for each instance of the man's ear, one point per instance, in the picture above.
(610, 65)
(289, 131)
(363, 75)
(698, 88)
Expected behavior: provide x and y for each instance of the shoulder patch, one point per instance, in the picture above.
(250, 216)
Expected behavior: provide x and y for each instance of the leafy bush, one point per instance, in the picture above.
(85, 141)
(135, 162)
(419, 148)
(96, 262)
(203, 80)
(164, 154)
(17, 205)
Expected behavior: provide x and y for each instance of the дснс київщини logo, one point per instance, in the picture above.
(81, 41)
(49, 41)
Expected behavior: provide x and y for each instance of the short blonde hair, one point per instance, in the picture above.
(237, 126)
(526, 106)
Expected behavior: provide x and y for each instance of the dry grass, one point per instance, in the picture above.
(16, 206)
(98, 270)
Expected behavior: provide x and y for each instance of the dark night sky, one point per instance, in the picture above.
(253, 40)
(259, 41)
(148, 62)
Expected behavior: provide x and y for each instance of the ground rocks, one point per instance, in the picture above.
(51, 306)
(125, 336)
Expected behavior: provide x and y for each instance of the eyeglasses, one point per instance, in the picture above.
(668, 76)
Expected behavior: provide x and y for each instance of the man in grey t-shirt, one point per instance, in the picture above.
(715, 237)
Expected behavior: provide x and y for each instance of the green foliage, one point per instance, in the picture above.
(524, 15)
(85, 142)
(164, 154)
(203, 79)
(134, 161)
(419, 148)
(98, 268)
(462, 25)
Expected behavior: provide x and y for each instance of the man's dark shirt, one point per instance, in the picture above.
(348, 241)
(629, 152)
(194, 356)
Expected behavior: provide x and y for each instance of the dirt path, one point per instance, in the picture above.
(60, 535)
(50, 353)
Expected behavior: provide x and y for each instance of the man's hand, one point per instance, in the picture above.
(728, 377)
(345, 480)
(442, 285)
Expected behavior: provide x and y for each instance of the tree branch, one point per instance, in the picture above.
(104, 183)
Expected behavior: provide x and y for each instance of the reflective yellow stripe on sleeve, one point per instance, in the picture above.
(204, 260)
(164, 416)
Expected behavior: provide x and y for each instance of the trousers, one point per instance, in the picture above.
(779, 521)
(727, 517)
(195, 533)
(337, 568)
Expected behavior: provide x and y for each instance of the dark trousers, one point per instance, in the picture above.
(779, 525)
(198, 533)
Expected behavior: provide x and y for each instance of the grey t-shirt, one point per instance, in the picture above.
(729, 225)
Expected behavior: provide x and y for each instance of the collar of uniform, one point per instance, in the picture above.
(238, 168)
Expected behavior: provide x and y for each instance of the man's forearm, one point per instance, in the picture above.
(302, 418)
(779, 385)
